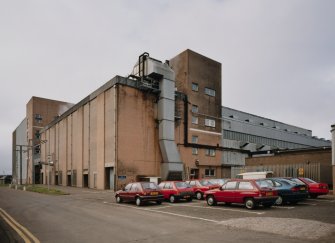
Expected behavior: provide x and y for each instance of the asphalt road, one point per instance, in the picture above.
(93, 216)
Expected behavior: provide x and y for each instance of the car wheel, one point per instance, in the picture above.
(313, 195)
(279, 201)
(172, 199)
(118, 199)
(211, 200)
(189, 199)
(138, 201)
(198, 195)
(249, 203)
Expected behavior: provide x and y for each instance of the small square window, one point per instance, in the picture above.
(195, 109)
(210, 92)
(195, 120)
(209, 172)
(210, 152)
(195, 139)
(38, 118)
(195, 151)
(209, 122)
(195, 87)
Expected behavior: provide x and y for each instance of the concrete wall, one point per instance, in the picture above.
(115, 130)
(19, 171)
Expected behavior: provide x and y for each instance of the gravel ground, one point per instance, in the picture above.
(296, 228)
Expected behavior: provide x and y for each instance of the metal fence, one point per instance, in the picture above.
(311, 170)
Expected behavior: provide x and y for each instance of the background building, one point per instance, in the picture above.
(164, 121)
(39, 112)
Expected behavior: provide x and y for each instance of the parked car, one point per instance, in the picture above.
(140, 192)
(176, 190)
(246, 192)
(200, 186)
(288, 191)
(315, 189)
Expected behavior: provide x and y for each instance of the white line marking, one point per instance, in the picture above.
(223, 209)
(174, 214)
(309, 204)
(164, 207)
(283, 207)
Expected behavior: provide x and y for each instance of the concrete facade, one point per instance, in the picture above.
(20, 155)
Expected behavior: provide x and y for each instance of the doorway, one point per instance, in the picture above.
(109, 178)
(85, 180)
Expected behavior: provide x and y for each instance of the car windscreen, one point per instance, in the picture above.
(287, 182)
(309, 180)
(205, 183)
(263, 184)
(149, 186)
(182, 184)
(296, 180)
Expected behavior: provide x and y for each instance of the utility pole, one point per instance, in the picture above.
(20, 164)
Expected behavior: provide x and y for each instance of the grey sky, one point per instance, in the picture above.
(278, 57)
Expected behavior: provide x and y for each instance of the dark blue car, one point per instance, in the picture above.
(288, 191)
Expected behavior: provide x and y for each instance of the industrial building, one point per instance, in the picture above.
(164, 121)
(26, 138)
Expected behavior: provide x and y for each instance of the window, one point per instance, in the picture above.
(195, 139)
(127, 188)
(168, 186)
(210, 92)
(230, 185)
(195, 109)
(209, 122)
(195, 151)
(210, 152)
(134, 188)
(245, 185)
(209, 172)
(38, 118)
(195, 120)
(195, 87)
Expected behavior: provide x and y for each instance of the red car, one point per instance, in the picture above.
(245, 192)
(200, 186)
(315, 189)
(140, 192)
(176, 190)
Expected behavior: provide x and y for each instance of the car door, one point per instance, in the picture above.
(227, 192)
(134, 190)
(245, 189)
(124, 194)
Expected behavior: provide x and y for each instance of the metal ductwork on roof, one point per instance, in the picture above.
(155, 74)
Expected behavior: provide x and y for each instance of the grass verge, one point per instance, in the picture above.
(45, 190)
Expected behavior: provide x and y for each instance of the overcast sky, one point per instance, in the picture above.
(278, 57)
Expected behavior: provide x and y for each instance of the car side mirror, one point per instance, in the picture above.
(221, 188)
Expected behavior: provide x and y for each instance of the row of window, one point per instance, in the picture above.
(208, 152)
(208, 122)
(208, 172)
(208, 91)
